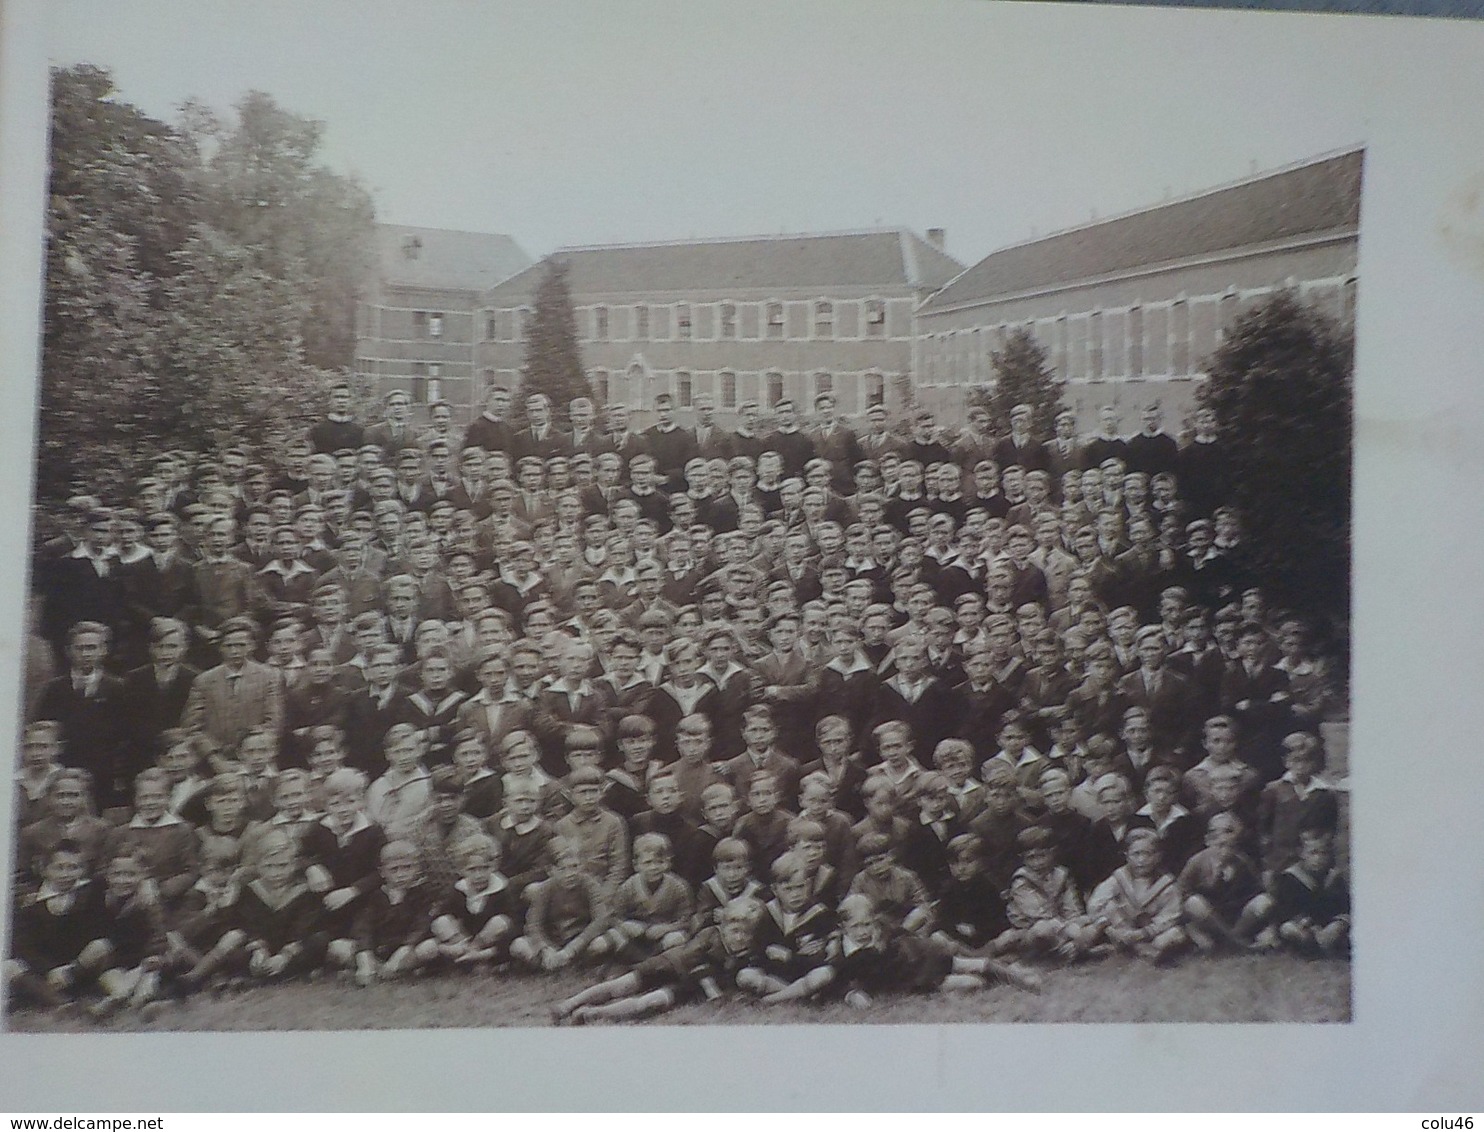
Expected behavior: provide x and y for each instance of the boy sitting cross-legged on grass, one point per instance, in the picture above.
(568, 915)
(1138, 907)
(1044, 908)
(1224, 903)
(202, 934)
(57, 948)
(392, 930)
(652, 909)
(971, 910)
(280, 919)
(1312, 899)
(478, 915)
(720, 960)
(793, 938)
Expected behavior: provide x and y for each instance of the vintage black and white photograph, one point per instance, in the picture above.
(543, 521)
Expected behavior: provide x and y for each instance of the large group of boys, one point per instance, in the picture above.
(795, 714)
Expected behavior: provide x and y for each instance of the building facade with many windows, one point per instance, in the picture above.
(1129, 309)
(748, 319)
(417, 325)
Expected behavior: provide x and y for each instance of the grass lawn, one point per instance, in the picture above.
(1238, 988)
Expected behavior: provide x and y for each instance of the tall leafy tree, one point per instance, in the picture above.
(1022, 376)
(263, 187)
(200, 281)
(553, 362)
(120, 205)
(1281, 387)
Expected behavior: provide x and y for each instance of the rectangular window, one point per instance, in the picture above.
(600, 324)
(1059, 347)
(419, 324)
(1226, 314)
(1156, 341)
(728, 390)
(824, 319)
(1114, 343)
(1180, 338)
(684, 389)
(641, 323)
(1077, 347)
(435, 324)
(1136, 342)
(775, 320)
(875, 318)
(491, 328)
(728, 320)
(1202, 333)
(682, 320)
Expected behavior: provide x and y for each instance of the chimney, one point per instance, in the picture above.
(936, 237)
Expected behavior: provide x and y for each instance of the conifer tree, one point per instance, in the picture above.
(1022, 376)
(553, 363)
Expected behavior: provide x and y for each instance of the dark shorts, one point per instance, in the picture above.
(666, 969)
(926, 963)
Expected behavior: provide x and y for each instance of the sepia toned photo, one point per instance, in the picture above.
(577, 569)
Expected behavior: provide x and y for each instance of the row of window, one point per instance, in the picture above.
(678, 322)
(727, 386)
(1162, 339)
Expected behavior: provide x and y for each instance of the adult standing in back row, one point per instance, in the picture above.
(491, 430)
(338, 430)
(790, 441)
(671, 446)
(837, 444)
(1153, 451)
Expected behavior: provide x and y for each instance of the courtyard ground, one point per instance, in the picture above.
(1236, 988)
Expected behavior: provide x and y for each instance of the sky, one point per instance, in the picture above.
(568, 122)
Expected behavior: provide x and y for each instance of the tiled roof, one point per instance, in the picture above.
(1318, 197)
(893, 258)
(437, 257)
